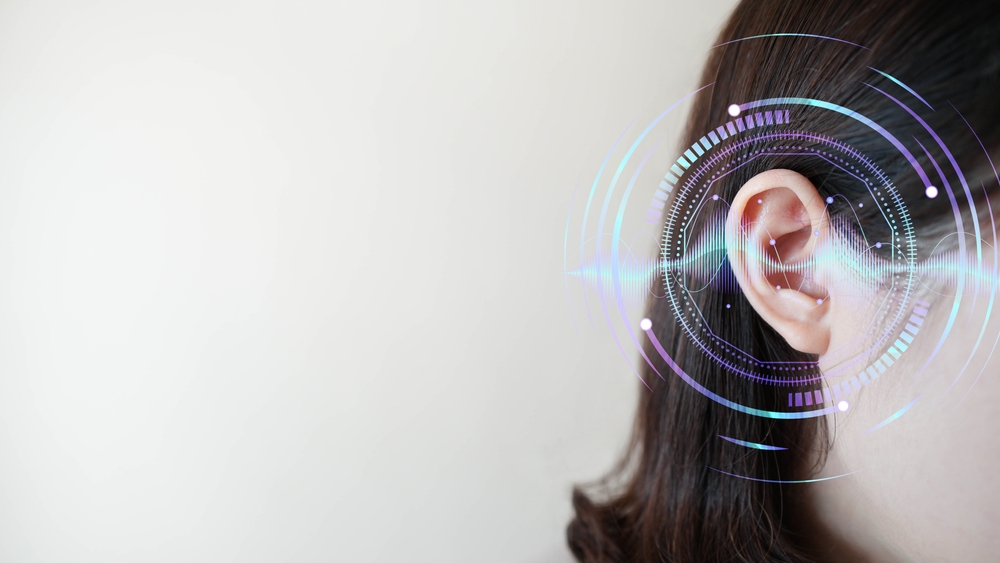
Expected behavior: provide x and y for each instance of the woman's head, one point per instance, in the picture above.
(824, 224)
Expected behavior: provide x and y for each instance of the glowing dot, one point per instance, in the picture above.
(728, 305)
(715, 197)
(829, 200)
(861, 205)
(645, 324)
(734, 110)
(819, 301)
(878, 245)
(777, 287)
(816, 233)
(773, 242)
(842, 406)
(760, 201)
(931, 192)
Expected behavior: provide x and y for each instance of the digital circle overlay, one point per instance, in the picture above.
(653, 225)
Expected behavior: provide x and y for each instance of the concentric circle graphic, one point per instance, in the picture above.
(663, 232)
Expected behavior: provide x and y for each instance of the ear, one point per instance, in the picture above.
(774, 227)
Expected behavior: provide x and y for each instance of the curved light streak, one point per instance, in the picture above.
(792, 35)
(753, 445)
(894, 416)
(783, 481)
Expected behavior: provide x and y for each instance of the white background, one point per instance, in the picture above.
(282, 281)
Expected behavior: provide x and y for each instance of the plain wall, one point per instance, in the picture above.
(282, 281)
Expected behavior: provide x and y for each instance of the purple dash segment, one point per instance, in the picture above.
(872, 372)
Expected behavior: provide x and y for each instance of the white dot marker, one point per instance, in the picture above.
(728, 305)
(931, 192)
(734, 110)
(819, 301)
(715, 197)
(760, 201)
(773, 242)
(861, 205)
(645, 324)
(878, 245)
(829, 200)
(842, 406)
(816, 233)
(777, 287)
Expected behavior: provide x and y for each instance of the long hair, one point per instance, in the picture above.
(664, 501)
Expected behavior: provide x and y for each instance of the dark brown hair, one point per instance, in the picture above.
(664, 502)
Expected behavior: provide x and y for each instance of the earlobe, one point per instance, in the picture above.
(775, 224)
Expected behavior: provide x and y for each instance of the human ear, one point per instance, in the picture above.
(773, 229)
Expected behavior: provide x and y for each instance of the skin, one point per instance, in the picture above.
(928, 488)
(929, 491)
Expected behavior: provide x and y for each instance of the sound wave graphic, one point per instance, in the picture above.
(634, 274)
(845, 263)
